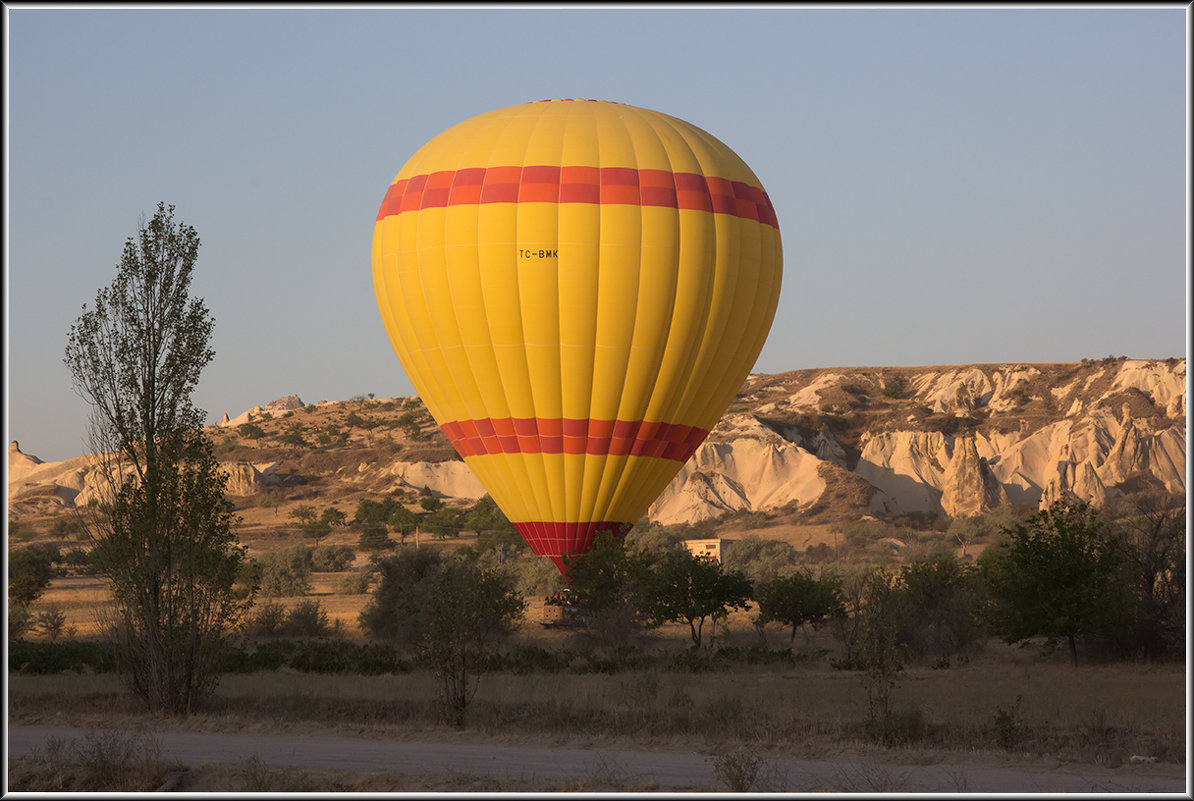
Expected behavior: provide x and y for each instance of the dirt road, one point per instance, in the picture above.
(422, 762)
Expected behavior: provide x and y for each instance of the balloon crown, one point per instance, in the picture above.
(576, 100)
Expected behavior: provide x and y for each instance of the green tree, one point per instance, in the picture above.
(399, 607)
(403, 521)
(691, 589)
(429, 500)
(286, 572)
(333, 517)
(762, 560)
(303, 513)
(163, 531)
(316, 530)
(939, 598)
(487, 516)
(609, 581)
(878, 651)
(137, 356)
(442, 523)
(798, 600)
(1152, 530)
(250, 431)
(1056, 576)
(373, 537)
(467, 606)
(30, 571)
(332, 558)
(173, 560)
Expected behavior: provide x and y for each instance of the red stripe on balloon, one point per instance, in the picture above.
(547, 538)
(575, 436)
(541, 183)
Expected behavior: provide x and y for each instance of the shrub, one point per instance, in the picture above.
(398, 610)
(30, 571)
(355, 583)
(20, 620)
(52, 622)
(374, 538)
(738, 770)
(308, 619)
(332, 558)
(61, 656)
(286, 572)
(267, 620)
(762, 560)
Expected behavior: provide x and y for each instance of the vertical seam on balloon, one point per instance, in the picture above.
(529, 462)
(612, 467)
(618, 490)
(455, 321)
(671, 408)
(431, 377)
(513, 486)
(567, 500)
(585, 509)
(700, 384)
(642, 415)
(717, 401)
(752, 339)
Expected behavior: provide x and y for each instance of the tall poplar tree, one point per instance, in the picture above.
(163, 530)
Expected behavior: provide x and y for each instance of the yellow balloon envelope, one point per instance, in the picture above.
(577, 290)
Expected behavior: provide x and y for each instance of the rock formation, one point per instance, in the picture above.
(969, 487)
(950, 441)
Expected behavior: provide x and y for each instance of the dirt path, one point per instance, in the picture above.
(425, 762)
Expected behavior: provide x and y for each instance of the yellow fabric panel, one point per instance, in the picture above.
(580, 261)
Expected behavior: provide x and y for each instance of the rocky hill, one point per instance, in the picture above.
(824, 444)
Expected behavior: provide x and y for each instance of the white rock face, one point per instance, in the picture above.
(248, 479)
(1079, 437)
(908, 467)
(748, 473)
(447, 479)
(969, 485)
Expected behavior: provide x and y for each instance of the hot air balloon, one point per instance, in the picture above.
(577, 290)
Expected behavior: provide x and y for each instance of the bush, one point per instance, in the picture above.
(398, 610)
(762, 560)
(267, 620)
(20, 620)
(52, 622)
(30, 571)
(286, 572)
(61, 656)
(308, 619)
(318, 656)
(355, 583)
(332, 558)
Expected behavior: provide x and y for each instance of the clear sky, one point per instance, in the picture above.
(953, 185)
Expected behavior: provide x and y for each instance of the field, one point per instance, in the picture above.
(1002, 708)
(1006, 706)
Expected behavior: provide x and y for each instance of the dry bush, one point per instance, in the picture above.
(111, 761)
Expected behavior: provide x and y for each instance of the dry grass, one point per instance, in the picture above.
(1094, 714)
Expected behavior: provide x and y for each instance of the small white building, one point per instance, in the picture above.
(712, 547)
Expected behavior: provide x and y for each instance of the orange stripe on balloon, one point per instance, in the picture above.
(513, 435)
(575, 184)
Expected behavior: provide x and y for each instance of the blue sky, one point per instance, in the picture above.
(952, 185)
